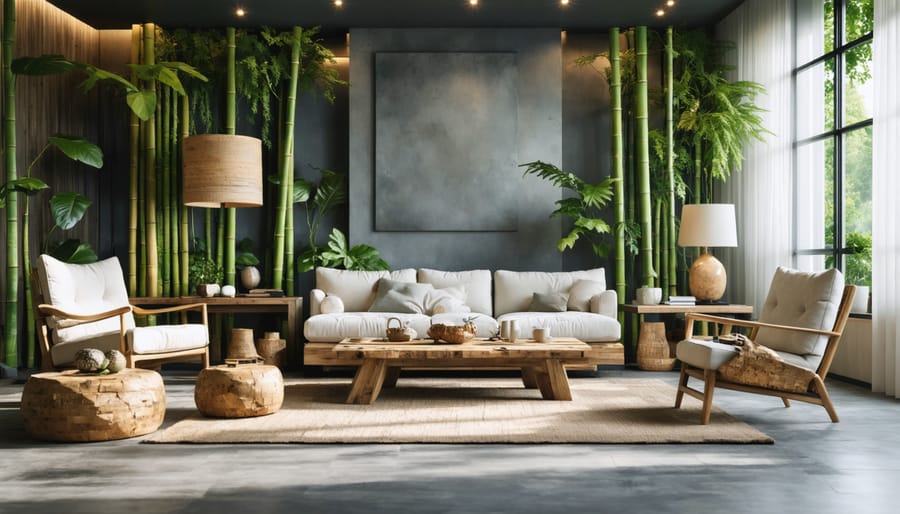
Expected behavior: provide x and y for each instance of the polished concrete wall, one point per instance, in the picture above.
(531, 241)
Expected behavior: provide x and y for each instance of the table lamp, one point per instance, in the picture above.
(222, 170)
(707, 225)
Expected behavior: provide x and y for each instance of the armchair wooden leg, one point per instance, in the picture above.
(787, 403)
(682, 385)
(709, 385)
(826, 400)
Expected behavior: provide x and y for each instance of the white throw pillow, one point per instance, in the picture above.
(331, 304)
(581, 292)
(446, 299)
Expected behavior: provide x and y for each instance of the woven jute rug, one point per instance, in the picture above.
(472, 410)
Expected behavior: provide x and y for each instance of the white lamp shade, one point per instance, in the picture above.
(708, 225)
(222, 170)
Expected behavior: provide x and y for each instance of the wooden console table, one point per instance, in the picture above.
(291, 306)
(654, 351)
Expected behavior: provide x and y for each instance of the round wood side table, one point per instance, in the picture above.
(78, 407)
(240, 391)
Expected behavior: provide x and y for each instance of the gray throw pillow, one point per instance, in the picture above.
(548, 302)
(401, 297)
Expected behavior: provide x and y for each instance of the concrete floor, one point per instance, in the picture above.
(814, 466)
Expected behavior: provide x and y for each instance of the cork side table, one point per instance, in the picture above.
(77, 407)
(240, 391)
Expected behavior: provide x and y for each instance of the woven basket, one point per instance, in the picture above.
(455, 334)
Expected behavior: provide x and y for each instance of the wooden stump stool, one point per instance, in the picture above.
(74, 407)
(239, 392)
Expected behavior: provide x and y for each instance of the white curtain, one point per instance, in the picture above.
(885, 207)
(762, 191)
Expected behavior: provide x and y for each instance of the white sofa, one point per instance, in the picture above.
(350, 304)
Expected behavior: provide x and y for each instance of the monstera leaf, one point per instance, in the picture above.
(68, 209)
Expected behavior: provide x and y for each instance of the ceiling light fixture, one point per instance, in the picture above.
(240, 12)
(670, 3)
(338, 3)
(564, 2)
(660, 12)
(473, 2)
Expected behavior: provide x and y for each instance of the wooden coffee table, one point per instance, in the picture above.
(541, 363)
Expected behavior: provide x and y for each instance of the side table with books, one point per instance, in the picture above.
(655, 352)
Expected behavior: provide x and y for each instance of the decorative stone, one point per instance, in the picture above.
(250, 277)
(76, 407)
(238, 392)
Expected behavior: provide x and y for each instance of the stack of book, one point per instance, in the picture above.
(682, 300)
(265, 293)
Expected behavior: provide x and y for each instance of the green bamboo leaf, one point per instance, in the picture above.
(78, 149)
(43, 65)
(68, 209)
(142, 103)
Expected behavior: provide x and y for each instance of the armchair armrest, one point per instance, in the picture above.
(199, 307)
(49, 310)
(605, 303)
(728, 323)
(315, 300)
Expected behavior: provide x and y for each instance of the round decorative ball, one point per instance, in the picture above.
(331, 304)
(116, 361)
(90, 359)
(228, 291)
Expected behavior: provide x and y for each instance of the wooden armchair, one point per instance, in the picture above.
(86, 306)
(819, 304)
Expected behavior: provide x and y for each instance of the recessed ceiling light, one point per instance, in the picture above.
(338, 3)
(240, 12)
(670, 3)
(564, 2)
(473, 2)
(660, 12)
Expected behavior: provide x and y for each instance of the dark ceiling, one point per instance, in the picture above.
(578, 15)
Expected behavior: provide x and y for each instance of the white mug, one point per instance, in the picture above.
(513, 330)
(504, 330)
(541, 334)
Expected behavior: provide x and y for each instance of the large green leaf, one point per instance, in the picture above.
(43, 65)
(74, 251)
(330, 192)
(142, 103)
(27, 185)
(68, 209)
(78, 149)
(302, 189)
(366, 258)
(170, 78)
(184, 68)
(95, 75)
(307, 260)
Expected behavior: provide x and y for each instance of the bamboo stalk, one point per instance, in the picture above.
(152, 259)
(643, 157)
(615, 93)
(165, 196)
(283, 199)
(134, 145)
(230, 124)
(11, 337)
(174, 239)
(671, 261)
(184, 233)
(657, 256)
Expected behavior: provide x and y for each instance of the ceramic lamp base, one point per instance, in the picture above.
(707, 278)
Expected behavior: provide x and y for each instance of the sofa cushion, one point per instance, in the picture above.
(586, 326)
(446, 299)
(513, 290)
(476, 282)
(582, 291)
(486, 326)
(801, 299)
(548, 302)
(396, 296)
(83, 289)
(331, 328)
(357, 288)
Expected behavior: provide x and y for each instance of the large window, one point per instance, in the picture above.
(833, 136)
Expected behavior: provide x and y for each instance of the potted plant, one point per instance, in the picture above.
(204, 274)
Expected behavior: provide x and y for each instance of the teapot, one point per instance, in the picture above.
(402, 332)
